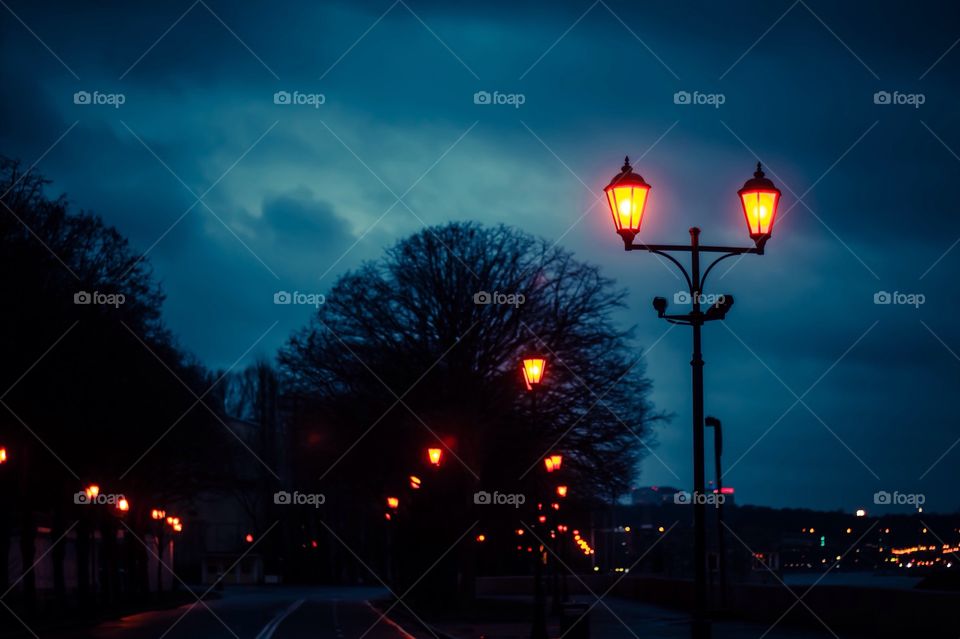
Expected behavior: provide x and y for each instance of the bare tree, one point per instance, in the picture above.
(423, 348)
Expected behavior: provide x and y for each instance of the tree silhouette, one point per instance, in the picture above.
(92, 393)
(402, 355)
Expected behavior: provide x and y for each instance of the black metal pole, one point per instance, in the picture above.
(721, 551)
(700, 627)
(556, 607)
(539, 630)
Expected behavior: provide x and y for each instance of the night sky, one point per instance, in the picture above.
(825, 396)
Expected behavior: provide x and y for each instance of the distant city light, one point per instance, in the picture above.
(861, 512)
(248, 538)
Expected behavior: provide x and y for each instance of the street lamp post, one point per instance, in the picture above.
(627, 197)
(533, 367)
(713, 422)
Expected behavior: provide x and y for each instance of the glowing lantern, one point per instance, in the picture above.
(542, 519)
(414, 482)
(3, 455)
(481, 538)
(248, 538)
(627, 197)
(759, 198)
(561, 491)
(92, 491)
(393, 503)
(178, 527)
(533, 368)
(553, 462)
(157, 514)
(123, 505)
(434, 454)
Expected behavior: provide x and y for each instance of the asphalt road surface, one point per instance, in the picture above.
(258, 613)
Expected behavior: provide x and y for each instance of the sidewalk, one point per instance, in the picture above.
(629, 619)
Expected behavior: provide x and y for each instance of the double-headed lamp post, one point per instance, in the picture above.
(627, 196)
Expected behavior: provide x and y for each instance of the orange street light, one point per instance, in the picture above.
(393, 503)
(435, 454)
(533, 369)
(627, 197)
(3, 455)
(415, 482)
(92, 491)
(178, 527)
(157, 514)
(481, 538)
(759, 198)
(561, 491)
(123, 505)
(553, 462)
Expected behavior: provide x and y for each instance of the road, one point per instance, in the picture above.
(343, 613)
(257, 613)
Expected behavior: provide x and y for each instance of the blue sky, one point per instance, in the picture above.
(826, 396)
